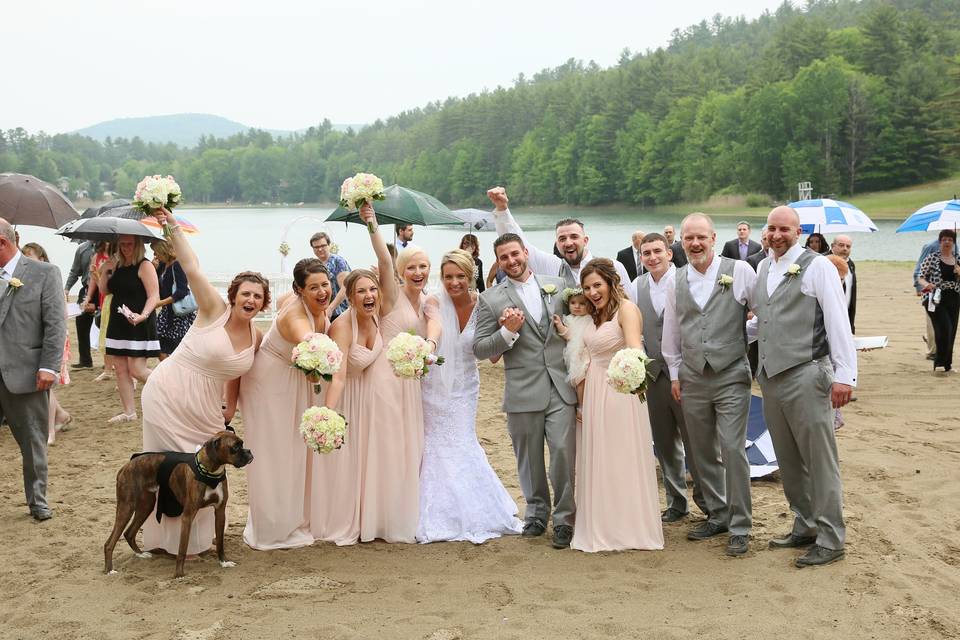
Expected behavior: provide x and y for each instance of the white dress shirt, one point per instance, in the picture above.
(701, 286)
(819, 280)
(529, 293)
(848, 284)
(658, 290)
(7, 274)
(547, 263)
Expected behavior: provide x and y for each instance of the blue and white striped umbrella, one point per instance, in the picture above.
(760, 453)
(831, 216)
(939, 215)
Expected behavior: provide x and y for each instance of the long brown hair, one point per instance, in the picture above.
(603, 267)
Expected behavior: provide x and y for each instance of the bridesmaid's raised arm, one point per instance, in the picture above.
(631, 322)
(386, 270)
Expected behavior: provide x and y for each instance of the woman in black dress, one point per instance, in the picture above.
(471, 245)
(940, 282)
(173, 288)
(132, 330)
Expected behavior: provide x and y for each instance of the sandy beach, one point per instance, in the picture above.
(900, 456)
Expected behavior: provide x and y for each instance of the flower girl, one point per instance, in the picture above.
(571, 328)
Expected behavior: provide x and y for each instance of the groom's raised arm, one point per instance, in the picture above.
(488, 340)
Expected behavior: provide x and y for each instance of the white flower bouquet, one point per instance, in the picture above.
(318, 357)
(627, 372)
(323, 430)
(154, 192)
(410, 356)
(363, 187)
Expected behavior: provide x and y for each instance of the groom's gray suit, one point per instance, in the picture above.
(538, 400)
(32, 333)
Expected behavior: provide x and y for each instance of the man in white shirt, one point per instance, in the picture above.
(572, 242)
(404, 236)
(704, 346)
(808, 362)
(842, 246)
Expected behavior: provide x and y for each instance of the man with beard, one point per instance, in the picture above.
(571, 243)
(704, 346)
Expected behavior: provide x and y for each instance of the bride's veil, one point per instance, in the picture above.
(449, 347)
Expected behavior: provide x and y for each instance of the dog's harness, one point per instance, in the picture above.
(167, 503)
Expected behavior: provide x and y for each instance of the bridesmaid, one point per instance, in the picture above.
(182, 397)
(392, 431)
(335, 482)
(616, 492)
(273, 397)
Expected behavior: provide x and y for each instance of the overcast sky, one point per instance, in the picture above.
(287, 64)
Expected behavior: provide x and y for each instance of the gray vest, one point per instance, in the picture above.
(791, 330)
(652, 325)
(717, 334)
(567, 274)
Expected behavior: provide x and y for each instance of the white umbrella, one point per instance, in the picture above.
(831, 216)
(476, 219)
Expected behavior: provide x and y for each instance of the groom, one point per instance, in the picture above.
(514, 319)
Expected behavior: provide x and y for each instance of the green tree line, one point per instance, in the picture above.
(850, 95)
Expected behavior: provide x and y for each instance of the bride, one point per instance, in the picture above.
(461, 497)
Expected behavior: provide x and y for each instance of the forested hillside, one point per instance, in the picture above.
(849, 95)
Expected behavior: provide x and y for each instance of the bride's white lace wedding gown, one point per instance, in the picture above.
(461, 497)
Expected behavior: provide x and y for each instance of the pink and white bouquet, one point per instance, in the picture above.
(323, 430)
(363, 187)
(318, 357)
(627, 372)
(410, 355)
(154, 192)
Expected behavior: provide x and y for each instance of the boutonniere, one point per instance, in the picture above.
(794, 270)
(14, 283)
(548, 290)
(724, 281)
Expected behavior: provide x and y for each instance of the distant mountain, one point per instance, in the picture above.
(182, 129)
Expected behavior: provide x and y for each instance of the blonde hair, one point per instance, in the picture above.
(462, 260)
(405, 256)
(164, 250)
(138, 252)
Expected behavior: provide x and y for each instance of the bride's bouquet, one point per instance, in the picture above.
(627, 372)
(318, 357)
(323, 430)
(410, 356)
(363, 187)
(154, 192)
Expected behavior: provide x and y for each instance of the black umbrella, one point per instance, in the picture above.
(93, 212)
(27, 200)
(107, 228)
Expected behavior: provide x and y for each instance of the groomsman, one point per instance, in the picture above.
(705, 348)
(808, 367)
(630, 257)
(666, 417)
(571, 244)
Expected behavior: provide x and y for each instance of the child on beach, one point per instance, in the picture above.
(571, 328)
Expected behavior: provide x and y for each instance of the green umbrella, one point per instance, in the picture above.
(402, 206)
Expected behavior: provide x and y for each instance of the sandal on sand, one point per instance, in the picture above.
(64, 425)
(123, 417)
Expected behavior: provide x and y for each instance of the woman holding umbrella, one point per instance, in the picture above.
(940, 285)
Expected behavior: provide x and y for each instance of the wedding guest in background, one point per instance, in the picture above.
(34, 331)
(58, 418)
(807, 363)
(80, 270)
(571, 243)
(173, 287)
(741, 247)
(704, 345)
(273, 396)
(842, 246)
(404, 237)
(471, 245)
(630, 257)
(817, 243)
(940, 284)
(668, 234)
(670, 439)
(495, 275)
(99, 300)
(337, 267)
(679, 258)
(132, 280)
(616, 477)
(182, 398)
(931, 247)
(754, 259)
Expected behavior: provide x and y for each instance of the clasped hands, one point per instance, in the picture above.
(511, 319)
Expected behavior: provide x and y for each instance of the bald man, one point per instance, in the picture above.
(808, 367)
(842, 246)
(704, 346)
(630, 257)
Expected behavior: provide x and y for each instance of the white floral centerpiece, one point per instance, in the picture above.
(323, 430)
(410, 355)
(627, 372)
(318, 357)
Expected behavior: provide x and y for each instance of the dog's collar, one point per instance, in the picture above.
(203, 470)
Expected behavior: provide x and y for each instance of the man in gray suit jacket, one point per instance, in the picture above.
(34, 329)
(514, 319)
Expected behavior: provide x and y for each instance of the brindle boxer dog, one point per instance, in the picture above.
(137, 489)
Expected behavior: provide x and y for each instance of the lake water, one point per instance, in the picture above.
(232, 240)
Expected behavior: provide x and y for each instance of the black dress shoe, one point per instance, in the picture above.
(562, 535)
(532, 529)
(81, 365)
(41, 514)
(706, 530)
(672, 515)
(817, 555)
(792, 541)
(738, 545)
